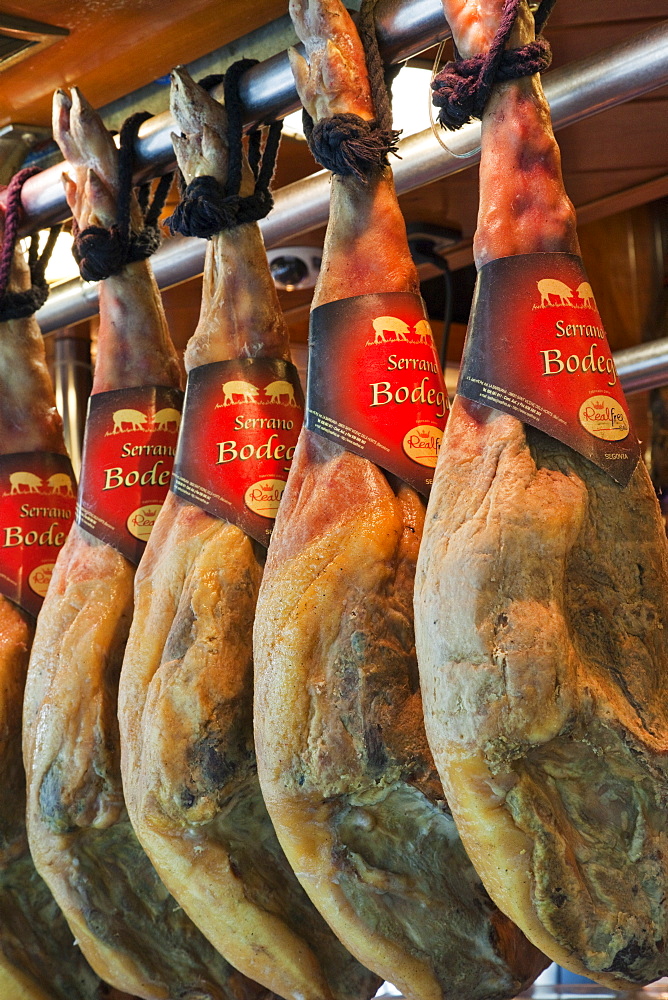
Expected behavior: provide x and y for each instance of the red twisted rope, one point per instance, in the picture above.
(12, 215)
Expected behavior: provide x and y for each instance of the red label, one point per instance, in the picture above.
(37, 501)
(536, 349)
(128, 454)
(376, 385)
(241, 421)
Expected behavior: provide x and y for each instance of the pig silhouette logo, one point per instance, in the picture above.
(237, 387)
(167, 419)
(585, 293)
(32, 483)
(275, 390)
(423, 331)
(135, 418)
(389, 324)
(552, 287)
(60, 483)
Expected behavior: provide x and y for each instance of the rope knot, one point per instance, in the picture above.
(255, 206)
(463, 87)
(145, 243)
(345, 143)
(206, 207)
(350, 146)
(20, 305)
(101, 252)
(457, 92)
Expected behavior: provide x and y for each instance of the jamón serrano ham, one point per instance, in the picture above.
(343, 759)
(542, 620)
(186, 692)
(38, 956)
(132, 931)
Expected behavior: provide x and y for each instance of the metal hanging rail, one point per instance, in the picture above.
(643, 367)
(404, 28)
(577, 91)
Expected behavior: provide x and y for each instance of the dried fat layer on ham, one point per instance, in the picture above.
(186, 693)
(38, 956)
(126, 923)
(344, 763)
(541, 619)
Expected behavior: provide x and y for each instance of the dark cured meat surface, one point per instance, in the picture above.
(345, 768)
(542, 622)
(186, 696)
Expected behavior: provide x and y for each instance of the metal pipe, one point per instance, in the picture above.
(577, 91)
(72, 383)
(405, 27)
(643, 367)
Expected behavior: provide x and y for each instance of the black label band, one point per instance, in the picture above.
(37, 501)
(128, 455)
(536, 349)
(376, 385)
(241, 421)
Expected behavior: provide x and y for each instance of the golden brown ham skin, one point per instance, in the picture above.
(541, 610)
(38, 957)
(347, 774)
(342, 753)
(127, 924)
(189, 769)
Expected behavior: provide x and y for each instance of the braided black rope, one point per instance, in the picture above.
(101, 252)
(366, 29)
(463, 87)
(20, 305)
(347, 144)
(541, 15)
(206, 207)
(211, 81)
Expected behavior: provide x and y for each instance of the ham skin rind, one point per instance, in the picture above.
(346, 772)
(342, 754)
(38, 958)
(541, 605)
(186, 696)
(129, 927)
(545, 701)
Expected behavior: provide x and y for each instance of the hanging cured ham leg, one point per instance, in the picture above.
(132, 931)
(38, 956)
(345, 768)
(542, 613)
(186, 695)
